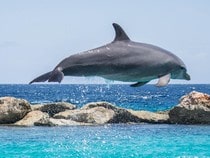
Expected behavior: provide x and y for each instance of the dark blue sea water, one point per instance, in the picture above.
(146, 97)
(120, 140)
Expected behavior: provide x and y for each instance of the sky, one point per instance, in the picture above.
(35, 35)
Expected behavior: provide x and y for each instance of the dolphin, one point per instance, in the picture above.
(121, 60)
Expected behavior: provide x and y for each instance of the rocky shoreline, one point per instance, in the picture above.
(194, 108)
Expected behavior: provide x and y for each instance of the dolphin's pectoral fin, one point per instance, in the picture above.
(138, 84)
(163, 81)
(120, 34)
(42, 78)
(56, 76)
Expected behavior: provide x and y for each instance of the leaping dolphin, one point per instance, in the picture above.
(121, 60)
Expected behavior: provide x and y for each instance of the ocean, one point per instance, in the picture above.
(112, 140)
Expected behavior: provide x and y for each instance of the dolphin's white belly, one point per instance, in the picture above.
(128, 77)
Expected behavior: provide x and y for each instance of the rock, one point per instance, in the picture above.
(122, 115)
(193, 108)
(13, 109)
(196, 98)
(54, 108)
(99, 113)
(106, 105)
(31, 118)
(151, 117)
(96, 115)
(36, 107)
(58, 122)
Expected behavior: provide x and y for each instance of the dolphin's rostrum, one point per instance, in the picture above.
(121, 60)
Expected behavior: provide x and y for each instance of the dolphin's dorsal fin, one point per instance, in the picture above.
(120, 34)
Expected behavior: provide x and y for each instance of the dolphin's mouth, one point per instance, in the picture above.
(187, 76)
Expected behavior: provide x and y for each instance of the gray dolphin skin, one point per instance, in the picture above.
(121, 60)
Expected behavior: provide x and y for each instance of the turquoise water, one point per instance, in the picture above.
(106, 141)
(119, 140)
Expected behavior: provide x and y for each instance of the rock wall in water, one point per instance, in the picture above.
(193, 108)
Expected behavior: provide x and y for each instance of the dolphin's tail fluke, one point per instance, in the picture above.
(42, 78)
(52, 76)
(56, 76)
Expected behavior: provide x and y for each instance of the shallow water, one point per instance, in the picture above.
(106, 141)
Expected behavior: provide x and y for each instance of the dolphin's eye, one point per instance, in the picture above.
(182, 68)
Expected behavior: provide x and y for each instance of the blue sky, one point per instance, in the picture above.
(36, 35)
